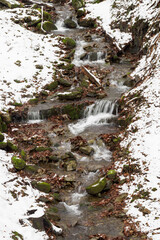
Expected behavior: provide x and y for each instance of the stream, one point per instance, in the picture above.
(79, 218)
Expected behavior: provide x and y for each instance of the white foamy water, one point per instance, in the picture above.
(101, 153)
(96, 114)
(34, 117)
(76, 197)
(72, 209)
(80, 51)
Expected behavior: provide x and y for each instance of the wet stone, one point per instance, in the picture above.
(86, 150)
(96, 187)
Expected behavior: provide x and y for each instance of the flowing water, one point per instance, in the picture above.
(79, 218)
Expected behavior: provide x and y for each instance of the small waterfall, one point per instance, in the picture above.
(101, 112)
(34, 116)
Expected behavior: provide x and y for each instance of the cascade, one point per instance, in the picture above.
(101, 112)
(34, 116)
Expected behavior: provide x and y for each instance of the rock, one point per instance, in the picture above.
(10, 3)
(69, 23)
(96, 187)
(1, 137)
(18, 163)
(52, 214)
(31, 169)
(112, 174)
(70, 95)
(42, 186)
(23, 155)
(108, 185)
(53, 158)
(129, 83)
(93, 56)
(11, 146)
(64, 82)
(71, 166)
(121, 198)
(78, 4)
(42, 149)
(81, 13)
(57, 197)
(51, 86)
(39, 66)
(87, 150)
(69, 43)
(87, 22)
(3, 145)
(33, 101)
(48, 26)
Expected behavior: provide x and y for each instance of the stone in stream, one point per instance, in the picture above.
(69, 23)
(70, 95)
(97, 187)
(18, 163)
(86, 150)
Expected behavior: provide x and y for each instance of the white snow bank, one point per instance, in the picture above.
(144, 145)
(20, 53)
(103, 11)
(16, 198)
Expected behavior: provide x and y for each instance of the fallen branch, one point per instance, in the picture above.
(91, 77)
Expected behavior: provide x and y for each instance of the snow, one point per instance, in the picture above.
(103, 11)
(11, 209)
(22, 50)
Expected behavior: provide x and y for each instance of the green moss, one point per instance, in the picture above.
(11, 146)
(112, 174)
(43, 187)
(18, 163)
(16, 104)
(69, 23)
(42, 149)
(3, 145)
(69, 66)
(23, 155)
(72, 111)
(71, 95)
(78, 4)
(53, 85)
(33, 101)
(31, 169)
(46, 16)
(49, 26)
(1, 137)
(84, 84)
(96, 187)
(69, 42)
(64, 82)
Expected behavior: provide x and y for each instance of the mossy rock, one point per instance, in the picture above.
(81, 13)
(11, 4)
(3, 145)
(64, 82)
(73, 111)
(68, 67)
(86, 150)
(112, 174)
(69, 23)
(11, 146)
(46, 16)
(53, 158)
(52, 86)
(42, 186)
(5, 117)
(52, 214)
(31, 169)
(42, 149)
(18, 163)
(70, 95)
(69, 43)
(23, 155)
(96, 187)
(88, 22)
(33, 101)
(1, 137)
(16, 236)
(78, 4)
(47, 26)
